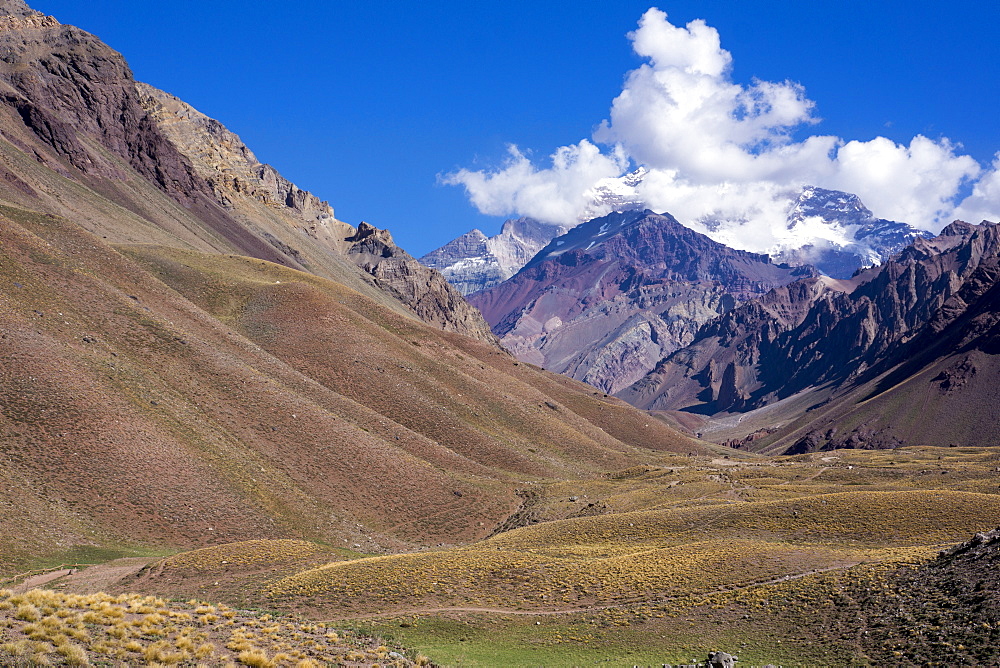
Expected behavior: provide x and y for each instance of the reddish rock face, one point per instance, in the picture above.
(606, 301)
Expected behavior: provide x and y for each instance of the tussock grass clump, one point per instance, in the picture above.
(43, 627)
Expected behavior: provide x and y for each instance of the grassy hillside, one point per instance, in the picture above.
(769, 558)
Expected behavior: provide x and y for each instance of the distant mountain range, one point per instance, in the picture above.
(831, 230)
(475, 262)
(837, 234)
(642, 307)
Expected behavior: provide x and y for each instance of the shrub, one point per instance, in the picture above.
(28, 613)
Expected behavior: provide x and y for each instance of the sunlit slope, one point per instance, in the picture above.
(460, 394)
(271, 404)
(650, 555)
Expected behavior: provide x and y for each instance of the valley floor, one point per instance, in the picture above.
(777, 560)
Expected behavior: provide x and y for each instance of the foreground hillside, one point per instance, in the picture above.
(809, 560)
(44, 627)
(272, 403)
(195, 351)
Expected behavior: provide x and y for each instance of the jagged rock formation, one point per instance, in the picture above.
(227, 164)
(18, 9)
(254, 192)
(714, 372)
(475, 262)
(423, 289)
(605, 301)
(919, 327)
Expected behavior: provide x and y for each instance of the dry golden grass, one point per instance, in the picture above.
(246, 553)
(129, 629)
(709, 534)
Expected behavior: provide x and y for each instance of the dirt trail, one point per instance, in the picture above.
(89, 580)
(36, 581)
(100, 577)
(812, 477)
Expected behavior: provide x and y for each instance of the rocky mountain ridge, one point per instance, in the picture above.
(72, 104)
(926, 314)
(602, 302)
(828, 229)
(475, 262)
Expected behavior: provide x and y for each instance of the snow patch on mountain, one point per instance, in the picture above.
(829, 229)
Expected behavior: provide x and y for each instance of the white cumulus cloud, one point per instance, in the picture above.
(984, 202)
(555, 194)
(717, 151)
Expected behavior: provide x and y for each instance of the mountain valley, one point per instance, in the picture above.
(235, 430)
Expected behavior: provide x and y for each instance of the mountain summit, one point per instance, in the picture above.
(836, 233)
(828, 229)
(605, 301)
(475, 262)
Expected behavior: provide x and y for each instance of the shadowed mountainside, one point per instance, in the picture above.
(902, 353)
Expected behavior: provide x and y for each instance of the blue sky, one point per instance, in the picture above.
(366, 103)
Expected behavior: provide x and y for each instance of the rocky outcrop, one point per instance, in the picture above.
(721, 660)
(943, 612)
(424, 290)
(81, 115)
(17, 9)
(256, 194)
(604, 302)
(228, 165)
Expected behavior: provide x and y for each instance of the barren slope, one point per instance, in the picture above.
(273, 403)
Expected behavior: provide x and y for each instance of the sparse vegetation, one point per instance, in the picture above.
(129, 629)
